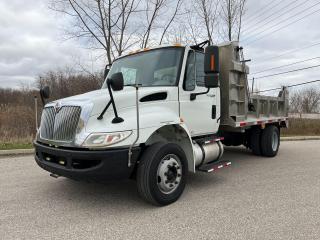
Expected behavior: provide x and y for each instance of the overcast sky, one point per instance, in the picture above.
(31, 42)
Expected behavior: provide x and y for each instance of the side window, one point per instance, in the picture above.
(194, 71)
(165, 76)
(200, 69)
(189, 79)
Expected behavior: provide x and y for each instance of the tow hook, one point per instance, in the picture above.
(54, 175)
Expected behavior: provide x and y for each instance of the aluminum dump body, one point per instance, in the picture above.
(236, 98)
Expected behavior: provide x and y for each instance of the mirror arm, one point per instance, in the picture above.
(117, 119)
(193, 96)
(104, 111)
(42, 100)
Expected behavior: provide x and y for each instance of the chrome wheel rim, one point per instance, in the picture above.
(169, 174)
(275, 141)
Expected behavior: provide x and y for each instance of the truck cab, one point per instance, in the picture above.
(157, 116)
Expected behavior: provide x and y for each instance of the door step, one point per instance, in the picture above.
(213, 167)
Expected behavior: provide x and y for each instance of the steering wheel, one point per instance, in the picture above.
(168, 78)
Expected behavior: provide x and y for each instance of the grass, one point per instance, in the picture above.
(302, 127)
(9, 146)
(7, 143)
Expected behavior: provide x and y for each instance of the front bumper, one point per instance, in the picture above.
(86, 164)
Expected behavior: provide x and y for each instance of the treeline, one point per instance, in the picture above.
(17, 121)
(17, 109)
(118, 26)
(305, 100)
(64, 83)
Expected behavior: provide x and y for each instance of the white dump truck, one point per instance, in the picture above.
(161, 113)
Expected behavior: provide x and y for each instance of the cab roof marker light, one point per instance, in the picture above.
(177, 45)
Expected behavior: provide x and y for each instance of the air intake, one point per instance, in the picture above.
(59, 125)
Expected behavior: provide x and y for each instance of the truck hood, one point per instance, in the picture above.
(158, 106)
(124, 99)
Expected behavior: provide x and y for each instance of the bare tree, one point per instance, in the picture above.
(191, 27)
(305, 101)
(241, 13)
(296, 103)
(207, 10)
(232, 12)
(124, 40)
(115, 26)
(152, 10)
(311, 100)
(104, 23)
(187, 31)
(174, 15)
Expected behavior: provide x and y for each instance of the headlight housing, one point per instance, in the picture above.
(98, 140)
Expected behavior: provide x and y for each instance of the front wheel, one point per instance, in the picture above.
(161, 174)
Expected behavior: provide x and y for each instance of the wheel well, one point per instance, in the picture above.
(174, 134)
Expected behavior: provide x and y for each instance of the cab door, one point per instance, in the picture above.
(201, 114)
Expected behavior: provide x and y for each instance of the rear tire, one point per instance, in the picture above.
(270, 141)
(255, 141)
(161, 174)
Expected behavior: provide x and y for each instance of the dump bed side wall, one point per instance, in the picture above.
(235, 96)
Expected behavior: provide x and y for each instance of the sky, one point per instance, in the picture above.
(31, 41)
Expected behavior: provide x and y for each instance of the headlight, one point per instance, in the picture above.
(105, 139)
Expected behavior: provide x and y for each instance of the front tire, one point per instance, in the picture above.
(161, 174)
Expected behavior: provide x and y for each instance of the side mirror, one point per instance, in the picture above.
(106, 71)
(116, 81)
(211, 81)
(211, 67)
(45, 92)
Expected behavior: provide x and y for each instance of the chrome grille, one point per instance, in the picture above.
(61, 125)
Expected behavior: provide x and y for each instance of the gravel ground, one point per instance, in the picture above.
(256, 198)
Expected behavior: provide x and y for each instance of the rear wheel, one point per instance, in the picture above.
(255, 143)
(161, 174)
(270, 141)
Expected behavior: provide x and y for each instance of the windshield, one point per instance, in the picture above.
(159, 67)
